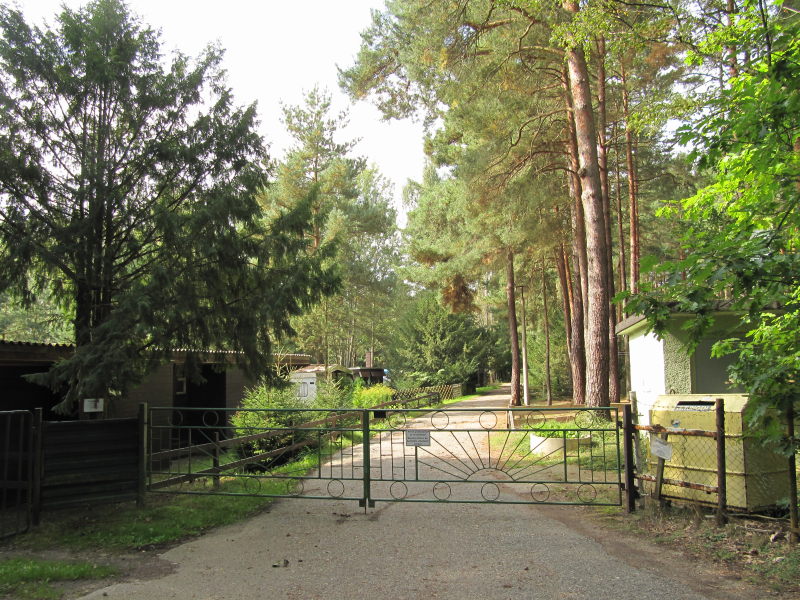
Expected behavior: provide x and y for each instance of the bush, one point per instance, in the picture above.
(267, 399)
(367, 397)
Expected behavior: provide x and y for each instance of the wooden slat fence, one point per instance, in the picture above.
(89, 462)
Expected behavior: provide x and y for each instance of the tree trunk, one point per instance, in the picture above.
(512, 329)
(566, 296)
(597, 363)
(548, 393)
(580, 259)
(613, 366)
(633, 203)
(623, 261)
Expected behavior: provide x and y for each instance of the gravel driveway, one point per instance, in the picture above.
(312, 549)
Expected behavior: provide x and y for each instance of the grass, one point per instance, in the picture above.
(746, 547)
(32, 579)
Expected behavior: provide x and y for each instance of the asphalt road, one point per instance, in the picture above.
(315, 549)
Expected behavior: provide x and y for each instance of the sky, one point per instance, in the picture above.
(275, 50)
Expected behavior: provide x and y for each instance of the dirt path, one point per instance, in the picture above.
(313, 549)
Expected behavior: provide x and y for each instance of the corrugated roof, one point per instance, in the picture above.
(54, 348)
(37, 344)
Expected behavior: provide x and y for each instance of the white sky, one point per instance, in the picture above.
(274, 51)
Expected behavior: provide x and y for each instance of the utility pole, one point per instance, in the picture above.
(525, 395)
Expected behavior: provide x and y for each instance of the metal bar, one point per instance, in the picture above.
(627, 435)
(365, 450)
(722, 493)
(215, 460)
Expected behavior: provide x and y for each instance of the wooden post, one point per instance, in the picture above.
(216, 460)
(637, 443)
(793, 531)
(38, 466)
(660, 475)
(142, 428)
(722, 494)
(627, 444)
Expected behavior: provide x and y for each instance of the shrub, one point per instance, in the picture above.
(367, 397)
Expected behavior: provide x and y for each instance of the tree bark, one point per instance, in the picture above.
(566, 296)
(633, 202)
(548, 393)
(597, 351)
(580, 259)
(512, 328)
(602, 149)
(623, 261)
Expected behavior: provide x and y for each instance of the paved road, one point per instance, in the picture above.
(313, 549)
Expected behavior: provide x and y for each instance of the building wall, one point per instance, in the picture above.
(156, 390)
(679, 373)
(236, 383)
(647, 371)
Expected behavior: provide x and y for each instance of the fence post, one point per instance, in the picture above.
(627, 445)
(216, 460)
(722, 491)
(38, 466)
(365, 501)
(142, 429)
(793, 527)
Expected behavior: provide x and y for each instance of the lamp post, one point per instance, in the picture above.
(525, 395)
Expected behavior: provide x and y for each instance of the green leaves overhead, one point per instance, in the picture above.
(131, 180)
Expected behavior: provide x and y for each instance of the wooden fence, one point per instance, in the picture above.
(87, 462)
(54, 464)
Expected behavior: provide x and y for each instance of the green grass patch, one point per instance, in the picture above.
(32, 579)
(171, 517)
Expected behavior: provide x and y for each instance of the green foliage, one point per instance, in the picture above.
(128, 190)
(741, 235)
(436, 347)
(32, 579)
(351, 210)
(374, 395)
(38, 319)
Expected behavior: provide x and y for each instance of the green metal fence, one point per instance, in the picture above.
(392, 454)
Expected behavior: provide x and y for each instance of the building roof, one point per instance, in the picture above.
(34, 352)
(320, 369)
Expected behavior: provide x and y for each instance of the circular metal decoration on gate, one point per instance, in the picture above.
(397, 420)
(335, 488)
(586, 419)
(295, 487)
(535, 419)
(398, 490)
(175, 419)
(488, 419)
(442, 491)
(210, 418)
(490, 491)
(252, 485)
(440, 420)
(540, 492)
(587, 493)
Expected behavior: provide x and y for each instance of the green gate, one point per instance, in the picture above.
(413, 454)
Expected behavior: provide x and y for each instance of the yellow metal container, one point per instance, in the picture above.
(756, 477)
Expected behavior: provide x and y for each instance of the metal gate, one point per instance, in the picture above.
(464, 455)
(16, 471)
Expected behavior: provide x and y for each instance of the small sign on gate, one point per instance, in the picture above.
(418, 437)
